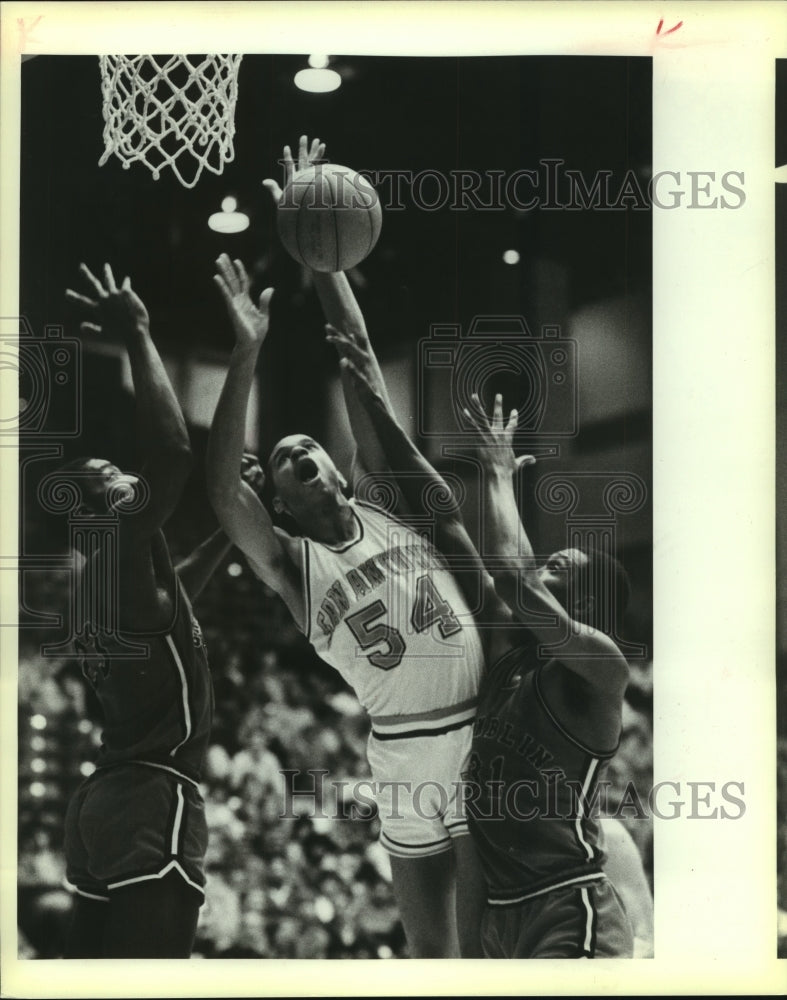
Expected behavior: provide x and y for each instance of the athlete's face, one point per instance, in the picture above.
(303, 474)
(557, 571)
(103, 485)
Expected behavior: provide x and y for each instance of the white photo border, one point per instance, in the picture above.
(713, 350)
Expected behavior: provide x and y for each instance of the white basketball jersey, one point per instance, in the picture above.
(387, 614)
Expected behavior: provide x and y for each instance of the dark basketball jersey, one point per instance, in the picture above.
(158, 706)
(531, 787)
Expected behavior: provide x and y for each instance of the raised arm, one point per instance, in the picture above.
(341, 311)
(162, 438)
(144, 599)
(417, 479)
(240, 511)
(509, 557)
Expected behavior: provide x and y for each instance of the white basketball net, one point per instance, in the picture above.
(170, 111)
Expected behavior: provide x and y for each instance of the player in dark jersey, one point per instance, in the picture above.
(135, 829)
(548, 720)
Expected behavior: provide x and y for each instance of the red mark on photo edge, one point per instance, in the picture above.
(26, 29)
(669, 30)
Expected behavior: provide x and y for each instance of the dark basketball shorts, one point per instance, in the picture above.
(584, 920)
(130, 823)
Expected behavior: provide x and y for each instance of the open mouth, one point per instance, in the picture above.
(306, 470)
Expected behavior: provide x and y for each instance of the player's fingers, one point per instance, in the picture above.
(93, 280)
(339, 344)
(289, 166)
(346, 350)
(481, 416)
(360, 382)
(320, 151)
(512, 421)
(473, 419)
(303, 155)
(109, 278)
(228, 272)
(250, 466)
(524, 460)
(334, 333)
(273, 187)
(497, 413)
(344, 344)
(81, 299)
(226, 294)
(314, 149)
(126, 286)
(87, 327)
(264, 301)
(243, 278)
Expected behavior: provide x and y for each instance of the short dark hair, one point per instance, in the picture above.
(606, 580)
(79, 465)
(75, 464)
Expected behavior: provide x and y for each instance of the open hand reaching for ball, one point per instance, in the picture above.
(249, 322)
(111, 308)
(307, 157)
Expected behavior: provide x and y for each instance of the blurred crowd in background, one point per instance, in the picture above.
(294, 867)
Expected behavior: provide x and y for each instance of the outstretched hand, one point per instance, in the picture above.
(495, 439)
(111, 308)
(249, 322)
(307, 156)
(348, 346)
(355, 357)
(363, 386)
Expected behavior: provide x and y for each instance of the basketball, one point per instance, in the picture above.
(329, 217)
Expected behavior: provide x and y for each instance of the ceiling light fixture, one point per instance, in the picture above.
(228, 220)
(318, 79)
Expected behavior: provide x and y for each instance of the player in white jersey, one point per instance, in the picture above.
(377, 602)
(399, 603)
